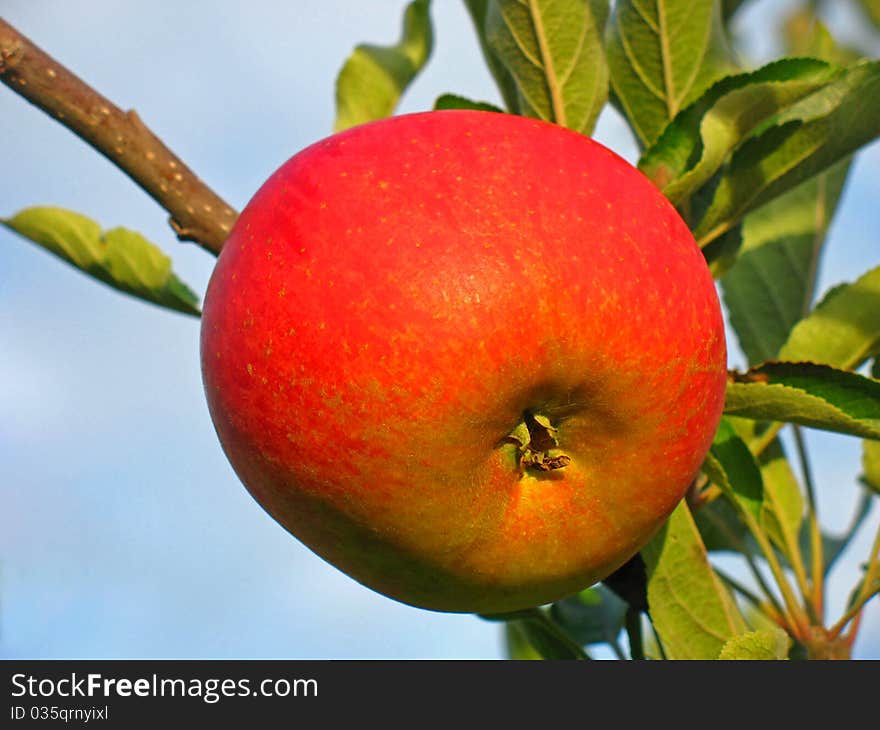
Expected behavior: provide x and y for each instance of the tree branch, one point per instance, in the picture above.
(197, 213)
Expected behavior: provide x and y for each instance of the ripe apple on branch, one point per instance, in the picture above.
(477, 361)
(471, 359)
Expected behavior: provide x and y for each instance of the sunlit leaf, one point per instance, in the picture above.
(766, 644)
(503, 80)
(698, 141)
(771, 286)
(808, 394)
(691, 609)
(844, 328)
(663, 54)
(119, 257)
(803, 141)
(552, 49)
(374, 77)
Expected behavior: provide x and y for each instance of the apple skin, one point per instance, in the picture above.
(397, 297)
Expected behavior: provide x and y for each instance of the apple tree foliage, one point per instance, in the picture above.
(756, 161)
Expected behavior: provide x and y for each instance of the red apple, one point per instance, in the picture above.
(473, 360)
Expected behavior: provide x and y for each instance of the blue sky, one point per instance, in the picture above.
(123, 530)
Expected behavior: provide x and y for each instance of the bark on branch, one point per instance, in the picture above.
(197, 213)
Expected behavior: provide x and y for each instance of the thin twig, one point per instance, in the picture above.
(539, 616)
(766, 608)
(793, 608)
(817, 561)
(791, 547)
(870, 587)
(657, 639)
(634, 633)
(745, 553)
(796, 619)
(197, 213)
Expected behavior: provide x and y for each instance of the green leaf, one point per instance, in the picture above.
(781, 513)
(698, 141)
(595, 615)
(453, 101)
(722, 528)
(843, 330)
(768, 289)
(766, 644)
(552, 49)
(119, 257)
(772, 285)
(547, 639)
(783, 507)
(374, 77)
(691, 609)
(721, 253)
(803, 140)
(731, 466)
(808, 394)
(517, 643)
(503, 80)
(662, 55)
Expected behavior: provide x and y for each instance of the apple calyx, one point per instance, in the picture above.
(537, 445)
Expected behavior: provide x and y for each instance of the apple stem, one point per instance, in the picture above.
(537, 444)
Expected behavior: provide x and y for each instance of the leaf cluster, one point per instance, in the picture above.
(756, 160)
